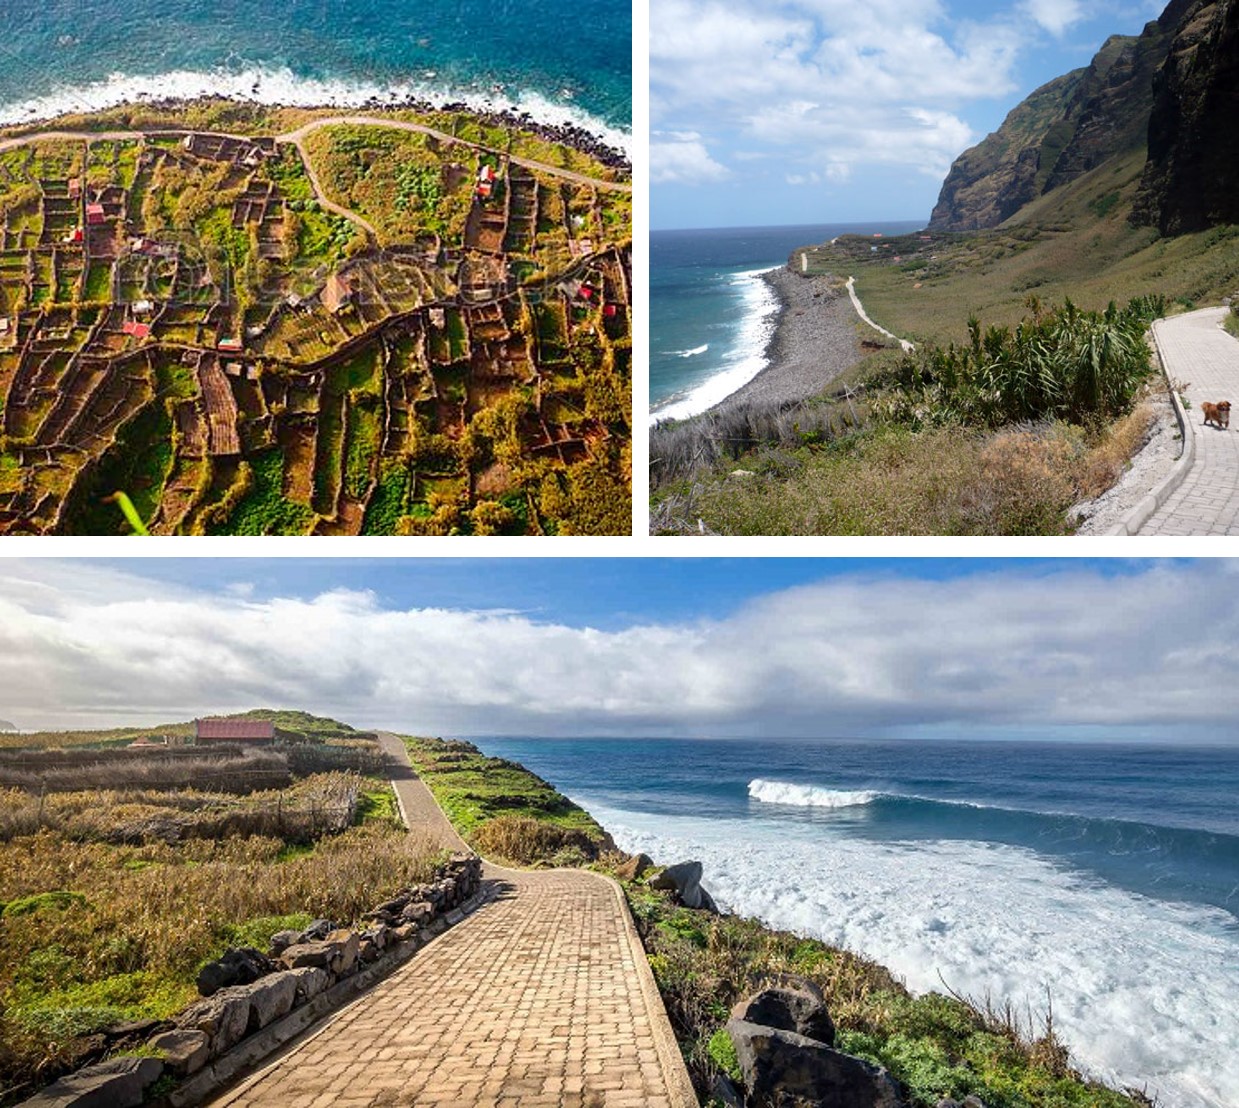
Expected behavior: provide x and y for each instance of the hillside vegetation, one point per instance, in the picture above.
(119, 879)
(1088, 197)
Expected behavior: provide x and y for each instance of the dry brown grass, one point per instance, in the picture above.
(91, 933)
(526, 841)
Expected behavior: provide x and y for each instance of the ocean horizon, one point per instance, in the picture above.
(489, 54)
(711, 315)
(1105, 876)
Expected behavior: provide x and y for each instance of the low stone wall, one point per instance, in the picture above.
(251, 1000)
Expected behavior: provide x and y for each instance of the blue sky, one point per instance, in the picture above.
(833, 111)
(639, 646)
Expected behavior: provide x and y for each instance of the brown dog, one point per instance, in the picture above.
(1217, 414)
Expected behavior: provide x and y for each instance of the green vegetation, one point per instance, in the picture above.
(264, 510)
(357, 410)
(502, 809)
(1000, 436)
(938, 1046)
(111, 899)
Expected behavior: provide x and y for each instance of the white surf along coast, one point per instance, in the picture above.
(281, 86)
(1143, 990)
(758, 311)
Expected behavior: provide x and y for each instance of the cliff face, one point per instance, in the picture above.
(1173, 87)
(1190, 182)
(998, 176)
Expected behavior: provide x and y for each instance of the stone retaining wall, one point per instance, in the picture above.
(247, 992)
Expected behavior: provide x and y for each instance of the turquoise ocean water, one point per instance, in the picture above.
(562, 62)
(1107, 874)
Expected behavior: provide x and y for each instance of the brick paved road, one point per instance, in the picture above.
(540, 997)
(1197, 351)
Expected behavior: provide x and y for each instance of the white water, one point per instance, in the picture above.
(747, 358)
(1143, 991)
(808, 796)
(694, 352)
(282, 86)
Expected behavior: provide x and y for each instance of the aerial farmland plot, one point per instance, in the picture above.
(300, 323)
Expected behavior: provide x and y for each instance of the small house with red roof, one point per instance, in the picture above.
(486, 181)
(248, 731)
(138, 330)
(95, 214)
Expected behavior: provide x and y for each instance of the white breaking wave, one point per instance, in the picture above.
(808, 796)
(745, 360)
(282, 86)
(694, 352)
(1143, 990)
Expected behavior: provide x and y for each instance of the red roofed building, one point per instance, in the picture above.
(234, 731)
(95, 214)
(137, 330)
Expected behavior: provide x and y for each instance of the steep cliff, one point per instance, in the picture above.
(1190, 181)
(1075, 124)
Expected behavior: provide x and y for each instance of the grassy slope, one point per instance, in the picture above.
(501, 808)
(1057, 247)
(101, 922)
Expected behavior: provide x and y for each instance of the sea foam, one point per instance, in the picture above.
(747, 356)
(1142, 989)
(809, 796)
(282, 86)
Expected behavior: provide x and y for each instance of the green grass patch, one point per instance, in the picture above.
(486, 796)
(263, 510)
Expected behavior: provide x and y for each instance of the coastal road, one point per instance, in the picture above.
(542, 996)
(1202, 357)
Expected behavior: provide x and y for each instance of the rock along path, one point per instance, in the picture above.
(540, 997)
(1198, 352)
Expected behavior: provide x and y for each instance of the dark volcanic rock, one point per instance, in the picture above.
(786, 1069)
(1189, 183)
(237, 967)
(795, 1004)
(116, 1083)
(684, 879)
(1061, 131)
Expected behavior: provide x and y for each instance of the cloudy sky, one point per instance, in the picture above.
(1070, 649)
(835, 111)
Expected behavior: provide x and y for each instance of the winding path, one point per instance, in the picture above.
(860, 311)
(1198, 354)
(540, 997)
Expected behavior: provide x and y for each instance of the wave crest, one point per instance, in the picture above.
(809, 796)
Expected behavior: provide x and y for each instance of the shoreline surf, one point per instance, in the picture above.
(283, 88)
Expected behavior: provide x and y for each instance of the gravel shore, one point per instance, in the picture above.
(814, 341)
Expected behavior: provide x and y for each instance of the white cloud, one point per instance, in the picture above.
(681, 157)
(835, 82)
(859, 655)
(1054, 15)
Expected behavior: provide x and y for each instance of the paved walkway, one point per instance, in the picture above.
(1205, 358)
(541, 997)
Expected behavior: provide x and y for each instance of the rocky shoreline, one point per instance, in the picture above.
(814, 341)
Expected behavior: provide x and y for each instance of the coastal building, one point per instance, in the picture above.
(486, 181)
(248, 731)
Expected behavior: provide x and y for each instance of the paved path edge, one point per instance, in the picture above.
(1143, 512)
(302, 1024)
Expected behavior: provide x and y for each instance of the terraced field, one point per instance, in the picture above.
(353, 328)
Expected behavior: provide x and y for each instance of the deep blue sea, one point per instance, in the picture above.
(562, 61)
(1108, 874)
(710, 315)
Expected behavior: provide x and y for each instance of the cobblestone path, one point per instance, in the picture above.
(1199, 353)
(540, 997)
